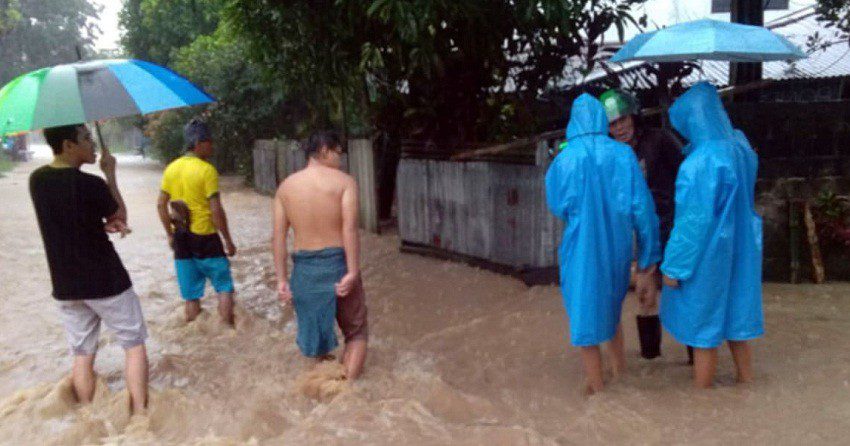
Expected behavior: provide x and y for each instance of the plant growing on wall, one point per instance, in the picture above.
(832, 217)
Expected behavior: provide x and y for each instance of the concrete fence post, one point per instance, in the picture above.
(361, 165)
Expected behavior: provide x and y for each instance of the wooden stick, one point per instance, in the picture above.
(794, 239)
(818, 273)
(507, 146)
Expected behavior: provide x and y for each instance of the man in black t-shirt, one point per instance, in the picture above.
(75, 211)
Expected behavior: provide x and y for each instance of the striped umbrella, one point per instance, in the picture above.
(91, 91)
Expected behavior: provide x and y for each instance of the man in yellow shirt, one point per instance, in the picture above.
(198, 251)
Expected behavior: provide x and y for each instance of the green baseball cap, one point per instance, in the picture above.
(618, 104)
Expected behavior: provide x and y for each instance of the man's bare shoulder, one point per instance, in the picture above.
(345, 178)
(290, 181)
(328, 175)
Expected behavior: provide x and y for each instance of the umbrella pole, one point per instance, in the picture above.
(103, 148)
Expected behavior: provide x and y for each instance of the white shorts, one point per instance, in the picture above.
(121, 313)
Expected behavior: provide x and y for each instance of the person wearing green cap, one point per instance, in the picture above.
(659, 154)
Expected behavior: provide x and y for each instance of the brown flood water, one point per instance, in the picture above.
(458, 356)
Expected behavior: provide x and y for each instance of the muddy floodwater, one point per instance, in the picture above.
(457, 356)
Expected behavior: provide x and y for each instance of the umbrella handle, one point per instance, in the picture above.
(103, 148)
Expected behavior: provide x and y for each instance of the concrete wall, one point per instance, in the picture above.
(773, 198)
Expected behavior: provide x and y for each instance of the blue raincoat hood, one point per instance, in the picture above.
(715, 248)
(698, 115)
(587, 117)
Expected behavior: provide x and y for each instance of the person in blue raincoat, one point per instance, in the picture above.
(712, 263)
(596, 186)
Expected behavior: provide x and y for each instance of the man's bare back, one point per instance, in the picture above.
(312, 199)
(320, 204)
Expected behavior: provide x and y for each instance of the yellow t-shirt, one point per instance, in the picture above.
(194, 181)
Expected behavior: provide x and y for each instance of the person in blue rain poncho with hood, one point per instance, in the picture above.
(596, 186)
(712, 263)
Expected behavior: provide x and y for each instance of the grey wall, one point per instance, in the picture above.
(494, 212)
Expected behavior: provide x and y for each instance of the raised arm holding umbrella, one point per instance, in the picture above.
(89, 280)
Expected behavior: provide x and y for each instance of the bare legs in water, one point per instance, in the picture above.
(742, 357)
(135, 373)
(225, 309)
(705, 364)
(353, 357)
(591, 357)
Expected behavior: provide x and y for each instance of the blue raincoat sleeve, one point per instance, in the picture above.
(645, 220)
(562, 189)
(697, 189)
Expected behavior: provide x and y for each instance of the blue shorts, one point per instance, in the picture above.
(192, 275)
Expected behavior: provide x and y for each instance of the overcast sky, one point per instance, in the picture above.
(109, 24)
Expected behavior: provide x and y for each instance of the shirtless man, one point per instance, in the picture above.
(320, 204)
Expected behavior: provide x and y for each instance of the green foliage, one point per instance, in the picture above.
(9, 14)
(831, 206)
(836, 14)
(458, 72)
(44, 33)
(186, 36)
(154, 29)
(166, 133)
(439, 69)
(832, 217)
(248, 107)
(309, 51)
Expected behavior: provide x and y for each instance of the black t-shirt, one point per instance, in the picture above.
(660, 154)
(71, 207)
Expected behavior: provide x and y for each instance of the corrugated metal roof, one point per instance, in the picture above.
(832, 61)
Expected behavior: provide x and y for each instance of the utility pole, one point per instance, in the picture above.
(747, 12)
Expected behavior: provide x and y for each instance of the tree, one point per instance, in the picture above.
(207, 53)
(435, 69)
(835, 14)
(9, 14)
(247, 108)
(308, 49)
(154, 29)
(447, 71)
(46, 34)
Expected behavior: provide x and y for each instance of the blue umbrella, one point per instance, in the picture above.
(90, 91)
(708, 39)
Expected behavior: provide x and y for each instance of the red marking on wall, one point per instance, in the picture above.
(513, 197)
